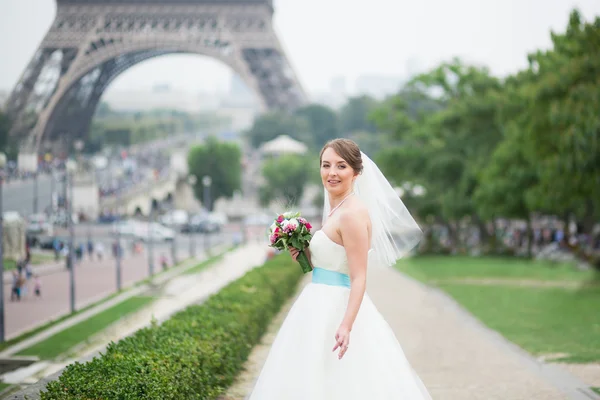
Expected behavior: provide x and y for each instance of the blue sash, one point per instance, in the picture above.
(332, 278)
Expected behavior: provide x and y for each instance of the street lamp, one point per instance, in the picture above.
(192, 180)
(71, 167)
(150, 239)
(118, 233)
(206, 183)
(35, 190)
(2, 165)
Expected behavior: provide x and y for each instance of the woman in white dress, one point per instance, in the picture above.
(334, 344)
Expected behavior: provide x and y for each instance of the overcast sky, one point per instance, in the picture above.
(329, 38)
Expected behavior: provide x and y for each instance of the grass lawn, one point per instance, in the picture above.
(542, 320)
(4, 386)
(597, 390)
(36, 259)
(428, 268)
(65, 340)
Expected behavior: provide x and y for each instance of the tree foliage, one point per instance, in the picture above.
(285, 178)
(322, 123)
(485, 148)
(4, 129)
(271, 125)
(222, 162)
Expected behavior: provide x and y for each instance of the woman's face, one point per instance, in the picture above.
(337, 176)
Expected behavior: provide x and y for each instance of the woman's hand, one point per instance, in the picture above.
(342, 340)
(294, 252)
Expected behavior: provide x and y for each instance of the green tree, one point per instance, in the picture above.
(4, 130)
(285, 179)
(442, 141)
(222, 162)
(562, 124)
(322, 123)
(271, 125)
(355, 115)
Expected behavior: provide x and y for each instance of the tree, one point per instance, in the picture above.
(271, 125)
(4, 130)
(562, 124)
(355, 115)
(285, 179)
(222, 162)
(322, 123)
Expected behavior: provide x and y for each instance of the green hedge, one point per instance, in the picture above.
(194, 355)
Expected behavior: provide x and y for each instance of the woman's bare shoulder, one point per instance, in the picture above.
(356, 211)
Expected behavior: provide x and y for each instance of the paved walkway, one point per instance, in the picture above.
(94, 280)
(455, 355)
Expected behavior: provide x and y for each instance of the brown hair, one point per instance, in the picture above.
(348, 150)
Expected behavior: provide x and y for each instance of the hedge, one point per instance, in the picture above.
(196, 354)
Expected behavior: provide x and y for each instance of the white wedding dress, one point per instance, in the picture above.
(301, 364)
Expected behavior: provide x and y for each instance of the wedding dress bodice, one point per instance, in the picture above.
(327, 254)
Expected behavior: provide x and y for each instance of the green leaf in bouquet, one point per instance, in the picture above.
(297, 243)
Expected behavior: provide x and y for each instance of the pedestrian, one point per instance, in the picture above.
(99, 251)
(15, 293)
(163, 261)
(37, 286)
(90, 249)
(56, 244)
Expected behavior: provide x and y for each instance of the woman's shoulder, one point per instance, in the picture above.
(355, 211)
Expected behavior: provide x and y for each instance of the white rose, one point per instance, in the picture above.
(294, 221)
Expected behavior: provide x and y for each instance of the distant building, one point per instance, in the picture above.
(378, 86)
(239, 94)
(283, 144)
(161, 88)
(149, 99)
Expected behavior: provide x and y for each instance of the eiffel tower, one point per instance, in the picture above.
(91, 42)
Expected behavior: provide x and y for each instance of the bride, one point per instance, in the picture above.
(334, 344)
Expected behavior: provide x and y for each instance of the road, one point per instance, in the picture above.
(18, 195)
(94, 280)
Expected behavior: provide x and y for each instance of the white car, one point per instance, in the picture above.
(38, 224)
(156, 233)
(140, 230)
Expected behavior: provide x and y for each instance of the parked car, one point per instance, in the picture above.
(38, 224)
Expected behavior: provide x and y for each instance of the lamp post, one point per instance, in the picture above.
(192, 180)
(118, 233)
(35, 191)
(150, 239)
(71, 168)
(206, 183)
(2, 165)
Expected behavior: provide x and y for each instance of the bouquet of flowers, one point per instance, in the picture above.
(290, 229)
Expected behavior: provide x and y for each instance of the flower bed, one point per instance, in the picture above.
(194, 355)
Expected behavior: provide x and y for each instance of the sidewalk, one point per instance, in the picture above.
(94, 280)
(454, 354)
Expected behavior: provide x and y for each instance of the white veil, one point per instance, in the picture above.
(394, 230)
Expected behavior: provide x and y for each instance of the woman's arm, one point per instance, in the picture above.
(355, 235)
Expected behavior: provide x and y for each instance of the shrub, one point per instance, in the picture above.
(194, 355)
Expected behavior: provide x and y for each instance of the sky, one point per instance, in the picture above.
(325, 39)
